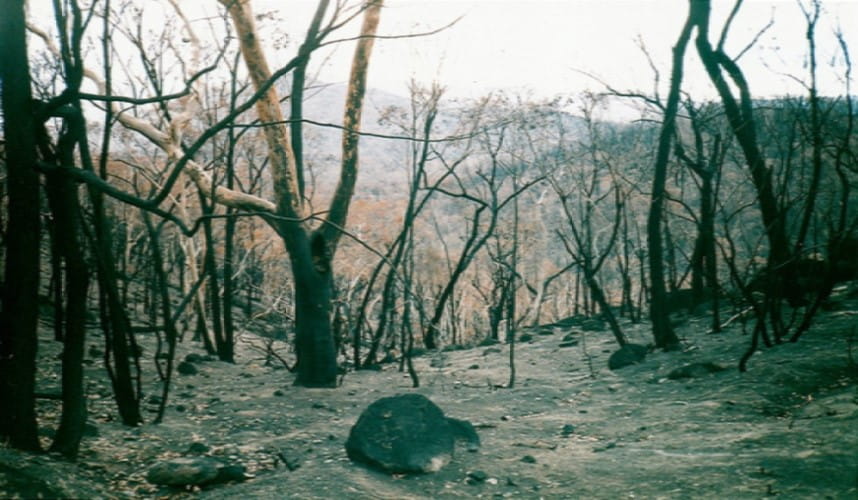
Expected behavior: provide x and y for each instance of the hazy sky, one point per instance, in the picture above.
(544, 45)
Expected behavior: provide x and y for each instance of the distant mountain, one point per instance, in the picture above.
(382, 168)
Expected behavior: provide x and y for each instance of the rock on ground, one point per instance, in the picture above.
(627, 355)
(193, 471)
(407, 433)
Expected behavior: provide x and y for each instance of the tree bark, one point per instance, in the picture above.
(114, 319)
(310, 254)
(741, 119)
(314, 340)
(19, 317)
(65, 208)
(662, 331)
(223, 348)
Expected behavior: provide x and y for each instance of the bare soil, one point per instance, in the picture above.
(569, 428)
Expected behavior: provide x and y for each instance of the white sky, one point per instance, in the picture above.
(543, 45)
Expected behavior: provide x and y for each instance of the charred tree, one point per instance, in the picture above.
(19, 315)
(662, 331)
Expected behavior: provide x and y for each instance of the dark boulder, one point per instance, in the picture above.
(627, 355)
(195, 358)
(407, 433)
(187, 368)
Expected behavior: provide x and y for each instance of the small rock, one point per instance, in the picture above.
(607, 447)
(627, 355)
(195, 358)
(184, 472)
(279, 392)
(197, 448)
(488, 341)
(229, 473)
(478, 476)
(491, 350)
(528, 459)
(290, 458)
(438, 362)
(186, 368)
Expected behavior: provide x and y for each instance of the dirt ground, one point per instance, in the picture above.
(570, 428)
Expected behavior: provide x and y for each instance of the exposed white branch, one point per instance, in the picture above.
(170, 142)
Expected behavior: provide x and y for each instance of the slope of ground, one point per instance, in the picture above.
(570, 428)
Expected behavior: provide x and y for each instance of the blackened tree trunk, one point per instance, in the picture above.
(401, 248)
(167, 319)
(229, 288)
(19, 316)
(741, 118)
(311, 267)
(473, 245)
(589, 269)
(114, 319)
(65, 208)
(223, 348)
(706, 165)
(662, 331)
(314, 340)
